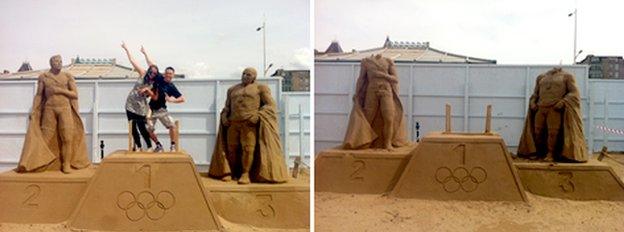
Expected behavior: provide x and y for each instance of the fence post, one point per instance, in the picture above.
(286, 148)
(301, 134)
(605, 135)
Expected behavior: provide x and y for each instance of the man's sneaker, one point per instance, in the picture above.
(172, 148)
(159, 148)
(149, 149)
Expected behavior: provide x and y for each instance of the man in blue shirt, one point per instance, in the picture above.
(166, 91)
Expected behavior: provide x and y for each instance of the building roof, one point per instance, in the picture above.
(90, 68)
(403, 52)
(334, 47)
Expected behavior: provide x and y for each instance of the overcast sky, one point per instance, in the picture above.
(198, 38)
(512, 32)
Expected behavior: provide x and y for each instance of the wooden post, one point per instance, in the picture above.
(448, 119)
(488, 120)
(130, 142)
(295, 171)
(177, 138)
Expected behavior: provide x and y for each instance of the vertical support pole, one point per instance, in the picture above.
(410, 103)
(130, 142)
(605, 135)
(448, 119)
(301, 134)
(95, 128)
(488, 120)
(286, 138)
(591, 115)
(466, 98)
(177, 138)
(527, 90)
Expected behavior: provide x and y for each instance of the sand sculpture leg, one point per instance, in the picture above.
(65, 128)
(233, 133)
(248, 140)
(387, 113)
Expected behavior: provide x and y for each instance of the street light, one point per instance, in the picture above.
(263, 28)
(574, 54)
(267, 69)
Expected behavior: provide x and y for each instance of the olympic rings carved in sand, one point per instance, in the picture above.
(144, 204)
(460, 178)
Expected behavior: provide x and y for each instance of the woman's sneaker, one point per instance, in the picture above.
(159, 148)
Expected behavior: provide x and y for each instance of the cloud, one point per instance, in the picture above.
(302, 59)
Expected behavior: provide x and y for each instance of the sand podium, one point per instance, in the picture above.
(368, 171)
(145, 191)
(43, 197)
(593, 180)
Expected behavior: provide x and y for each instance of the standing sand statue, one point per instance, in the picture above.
(55, 132)
(376, 119)
(554, 126)
(248, 146)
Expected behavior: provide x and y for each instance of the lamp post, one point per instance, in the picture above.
(263, 28)
(574, 55)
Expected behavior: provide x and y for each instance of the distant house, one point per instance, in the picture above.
(400, 52)
(294, 80)
(605, 67)
(81, 68)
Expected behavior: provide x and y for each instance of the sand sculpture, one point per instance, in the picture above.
(248, 146)
(376, 119)
(554, 126)
(55, 135)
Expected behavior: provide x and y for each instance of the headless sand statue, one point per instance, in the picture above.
(248, 146)
(554, 126)
(376, 119)
(55, 136)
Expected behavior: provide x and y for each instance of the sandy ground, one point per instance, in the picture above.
(348, 212)
(231, 227)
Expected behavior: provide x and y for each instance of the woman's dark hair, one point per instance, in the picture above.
(147, 74)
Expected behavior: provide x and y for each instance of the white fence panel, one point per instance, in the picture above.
(426, 88)
(102, 108)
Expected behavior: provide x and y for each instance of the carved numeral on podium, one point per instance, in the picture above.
(32, 193)
(358, 167)
(146, 171)
(266, 205)
(566, 184)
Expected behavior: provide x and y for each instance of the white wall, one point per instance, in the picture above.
(102, 109)
(425, 88)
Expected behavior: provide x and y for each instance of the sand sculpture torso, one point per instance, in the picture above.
(245, 102)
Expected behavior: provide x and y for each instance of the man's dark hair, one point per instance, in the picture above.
(170, 68)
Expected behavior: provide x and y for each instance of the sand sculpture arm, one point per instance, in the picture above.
(266, 100)
(36, 107)
(135, 65)
(573, 94)
(535, 95)
(392, 74)
(226, 109)
(72, 90)
(360, 81)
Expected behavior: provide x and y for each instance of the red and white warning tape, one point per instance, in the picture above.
(610, 130)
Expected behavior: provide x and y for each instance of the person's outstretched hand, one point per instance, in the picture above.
(142, 49)
(123, 45)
